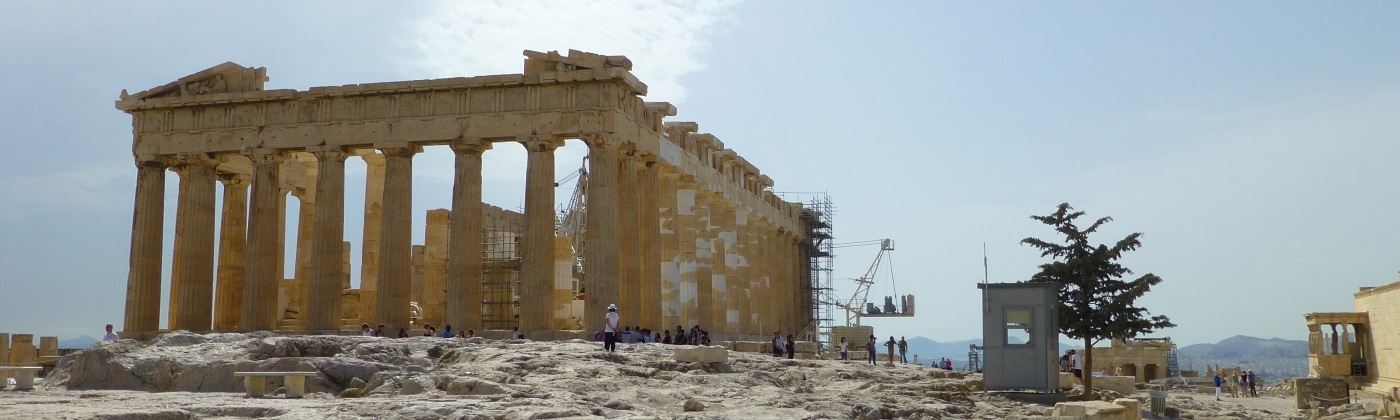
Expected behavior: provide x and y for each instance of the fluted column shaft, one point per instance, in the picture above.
(328, 232)
(601, 252)
(688, 225)
(721, 227)
(196, 240)
(261, 273)
(537, 265)
(233, 235)
(648, 239)
(628, 243)
(669, 249)
(305, 239)
(147, 233)
(464, 243)
(396, 239)
(369, 244)
(704, 260)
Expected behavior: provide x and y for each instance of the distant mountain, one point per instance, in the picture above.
(76, 343)
(1245, 347)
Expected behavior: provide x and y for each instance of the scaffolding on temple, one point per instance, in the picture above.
(503, 244)
(817, 250)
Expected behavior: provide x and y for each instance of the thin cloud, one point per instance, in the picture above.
(82, 188)
(664, 39)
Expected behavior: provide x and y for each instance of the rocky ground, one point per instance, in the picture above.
(185, 376)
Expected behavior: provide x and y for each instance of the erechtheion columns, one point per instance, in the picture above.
(677, 229)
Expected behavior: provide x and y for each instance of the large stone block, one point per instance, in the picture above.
(1131, 408)
(1120, 384)
(752, 346)
(1320, 392)
(702, 354)
(1090, 410)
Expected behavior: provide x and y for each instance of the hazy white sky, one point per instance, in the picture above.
(1250, 141)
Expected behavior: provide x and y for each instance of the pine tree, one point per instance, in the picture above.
(1095, 302)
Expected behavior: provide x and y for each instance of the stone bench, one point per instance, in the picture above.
(255, 383)
(24, 376)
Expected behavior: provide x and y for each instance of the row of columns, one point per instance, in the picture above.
(660, 246)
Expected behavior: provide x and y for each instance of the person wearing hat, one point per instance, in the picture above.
(610, 329)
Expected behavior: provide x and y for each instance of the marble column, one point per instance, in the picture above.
(464, 243)
(261, 273)
(760, 261)
(195, 214)
(687, 225)
(669, 248)
(721, 229)
(649, 239)
(369, 244)
(233, 235)
(434, 295)
(704, 261)
(147, 235)
(601, 270)
(537, 265)
(322, 310)
(396, 238)
(628, 243)
(306, 233)
(743, 270)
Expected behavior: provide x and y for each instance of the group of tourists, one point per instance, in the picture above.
(1239, 383)
(614, 332)
(1070, 362)
(428, 331)
(784, 345)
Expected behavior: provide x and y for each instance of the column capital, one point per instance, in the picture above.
(601, 141)
(265, 156)
(535, 143)
(233, 180)
(402, 149)
(470, 146)
(329, 153)
(194, 159)
(153, 161)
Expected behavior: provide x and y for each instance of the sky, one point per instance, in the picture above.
(1249, 142)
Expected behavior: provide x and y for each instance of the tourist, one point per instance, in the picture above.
(1076, 366)
(845, 354)
(903, 350)
(695, 335)
(110, 336)
(1064, 362)
(777, 344)
(379, 332)
(1252, 379)
(870, 350)
(447, 332)
(403, 333)
(704, 338)
(611, 321)
(515, 333)
(428, 330)
(471, 333)
(947, 364)
(365, 331)
(1235, 385)
(680, 335)
(657, 338)
(791, 346)
(889, 345)
(666, 339)
(461, 334)
(1217, 386)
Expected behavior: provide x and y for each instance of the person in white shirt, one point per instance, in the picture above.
(610, 328)
(111, 336)
(1078, 366)
(845, 355)
(365, 331)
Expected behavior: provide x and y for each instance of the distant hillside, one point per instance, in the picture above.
(1245, 347)
(76, 343)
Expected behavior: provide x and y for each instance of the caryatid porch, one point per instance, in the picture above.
(679, 231)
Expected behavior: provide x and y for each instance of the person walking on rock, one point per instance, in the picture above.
(845, 354)
(890, 346)
(1217, 387)
(610, 329)
(1252, 379)
(903, 350)
(870, 350)
(777, 344)
(791, 346)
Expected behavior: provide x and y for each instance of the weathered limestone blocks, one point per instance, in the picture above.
(1125, 385)
(701, 354)
(1131, 408)
(1090, 410)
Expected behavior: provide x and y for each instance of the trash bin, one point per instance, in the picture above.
(1159, 402)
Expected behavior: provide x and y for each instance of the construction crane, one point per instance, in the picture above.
(857, 306)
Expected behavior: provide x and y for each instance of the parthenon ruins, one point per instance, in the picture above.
(677, 230)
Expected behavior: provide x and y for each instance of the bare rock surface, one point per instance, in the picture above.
(181, 375)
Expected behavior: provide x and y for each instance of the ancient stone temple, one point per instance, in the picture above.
(678, 230)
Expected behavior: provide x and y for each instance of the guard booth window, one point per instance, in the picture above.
(1018, 326)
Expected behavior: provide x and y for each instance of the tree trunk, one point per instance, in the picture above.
(1088, 369)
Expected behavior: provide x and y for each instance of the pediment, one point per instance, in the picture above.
(228, 77)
